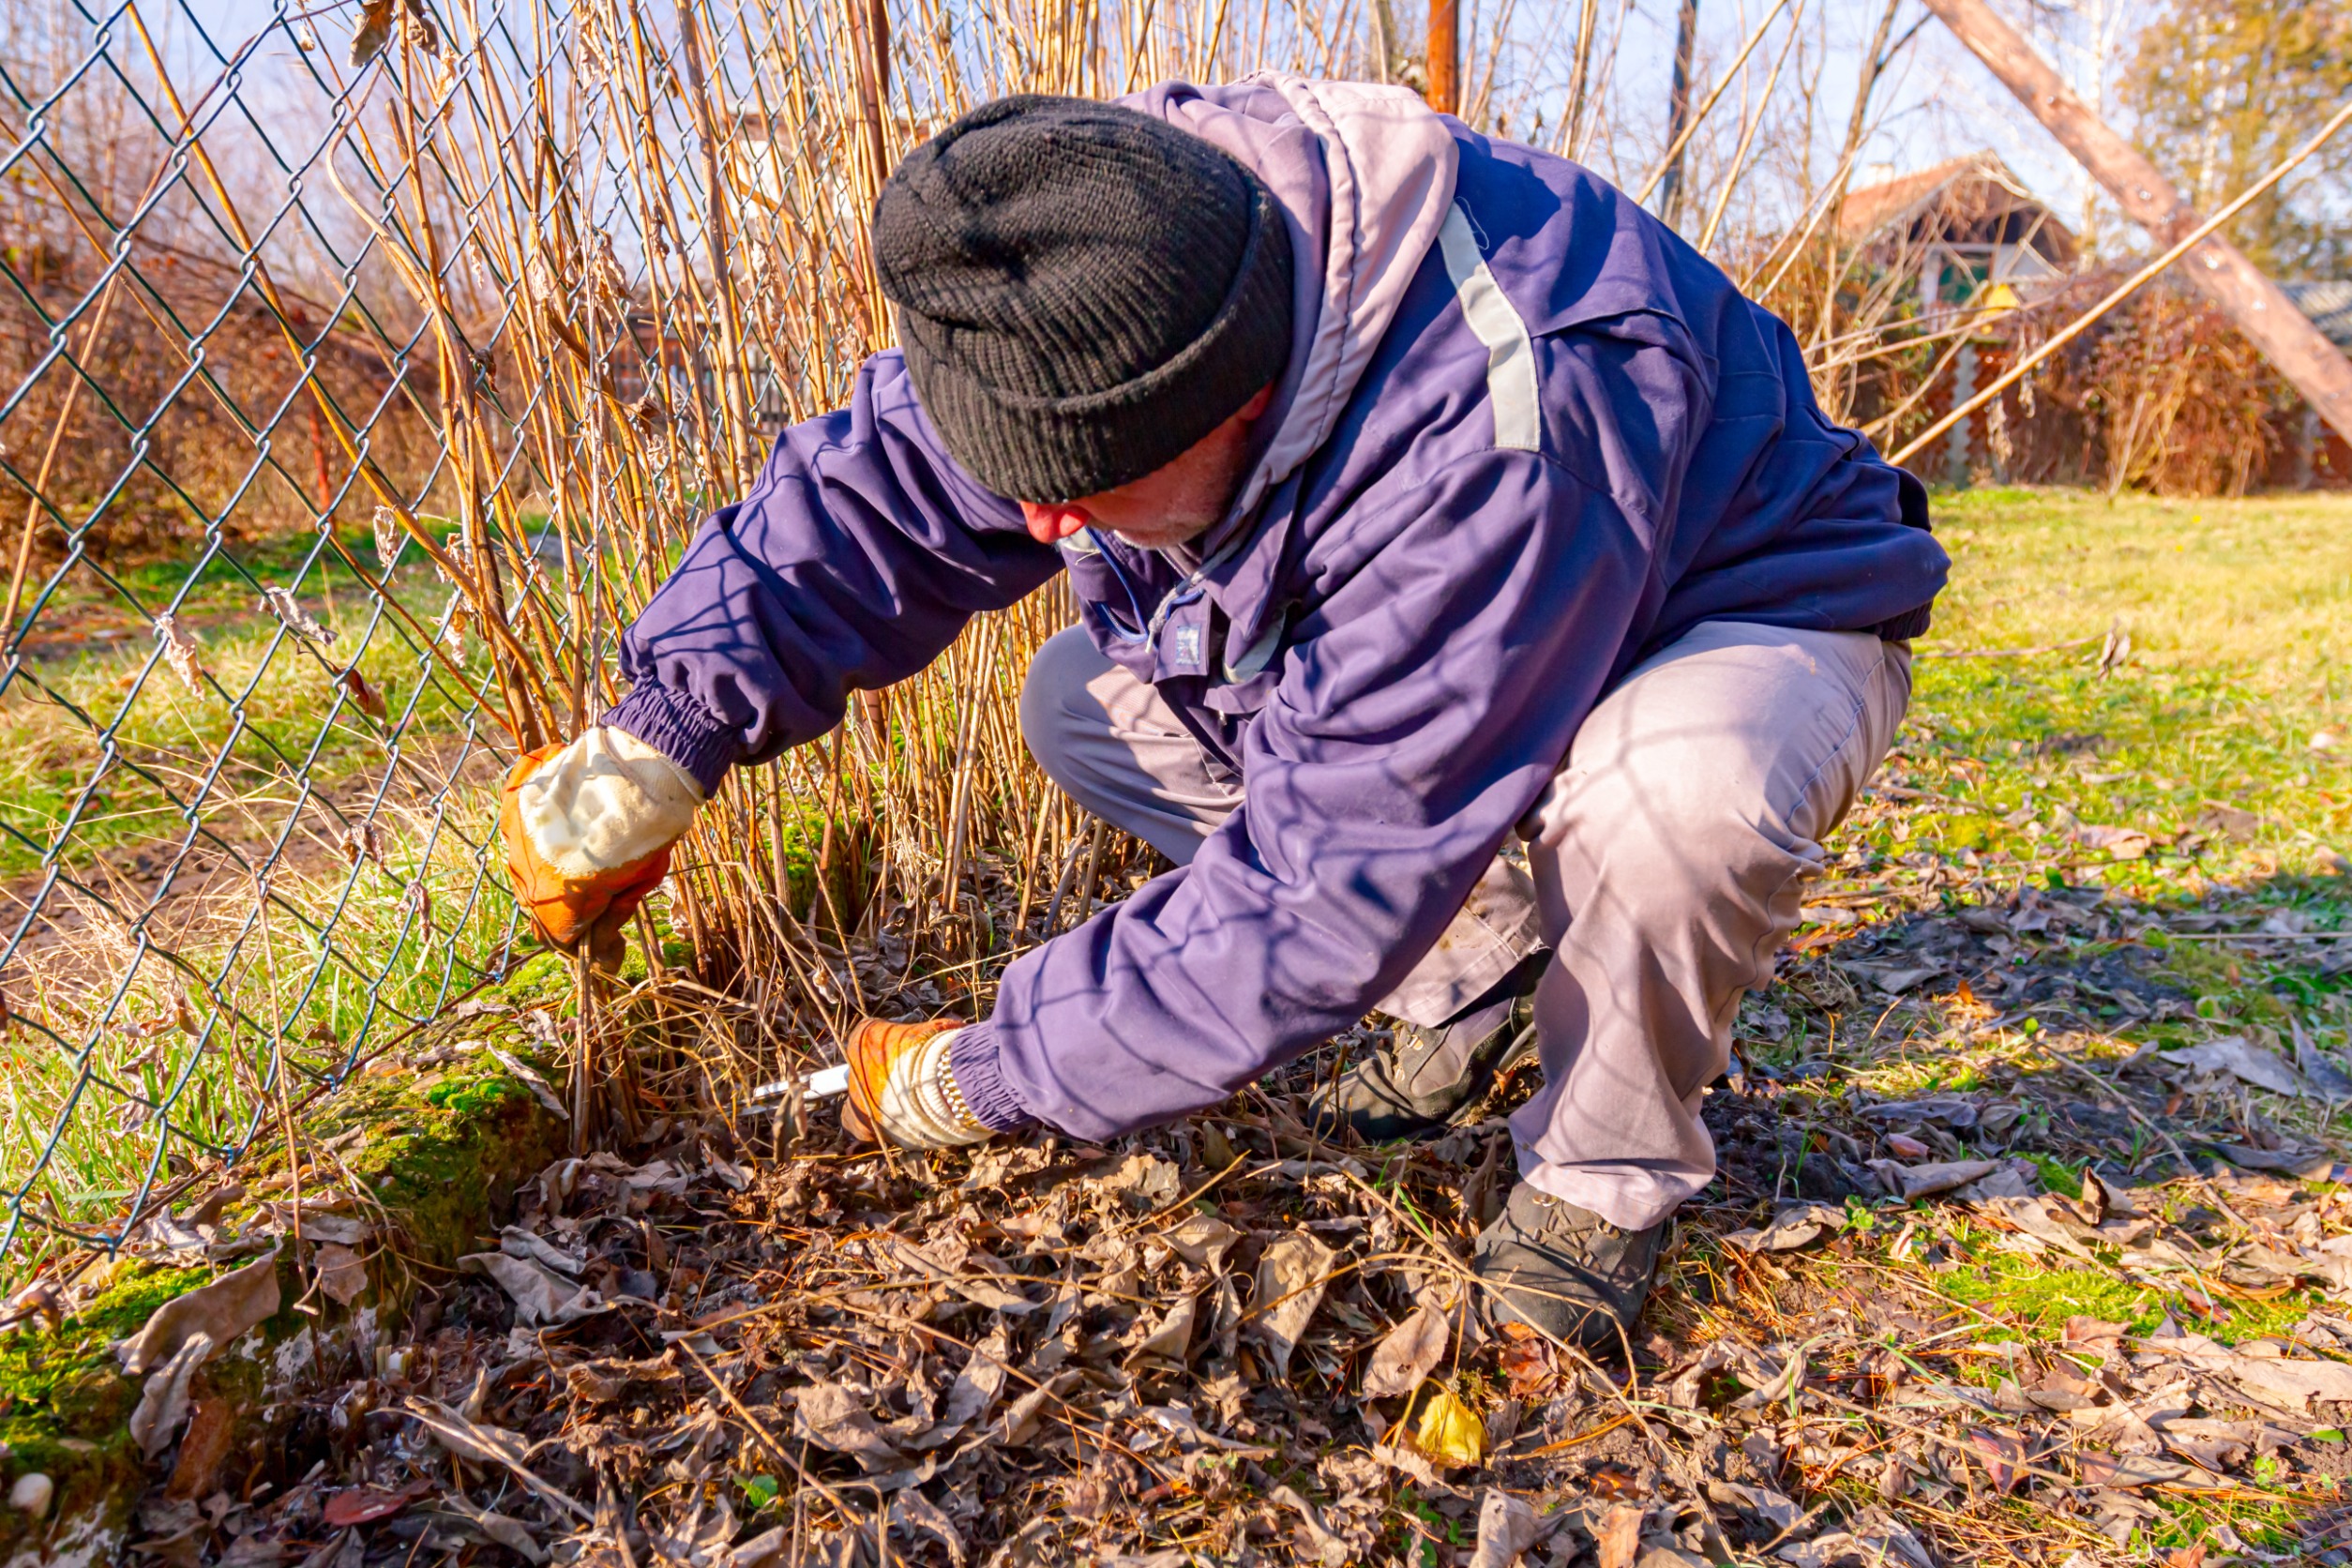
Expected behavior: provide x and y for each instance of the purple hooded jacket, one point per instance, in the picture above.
(1527, 436)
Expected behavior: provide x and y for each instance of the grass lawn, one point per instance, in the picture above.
(269, 710)
(2116, 824)
(2235, 695)
(2152, 698)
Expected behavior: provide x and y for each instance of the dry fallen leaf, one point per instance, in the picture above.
(1170, 1338)
(163, 1402)
(918, 1515)
(1291, 1273)
(364, 1505)
(1143, 1181)
(373, 32)
(506, 1531)
(1020, 1420)
(363, 841)
(1202, 1240)
(222, 1311)
(2242, 1060)
(1527, 1365)
(2091, 1207)
(281, 603)
(1796, 1227)
(1412, 1348)
(181, 653)
(2031, 1215)
(370, 700)
(763, 1550)
(1506, 1527)
(2121, 843)
(974, 1275)
(540, 1089)
(832, 1417)
(1619, 1539)
(1314, 1540)
(1447, 1432)
(389, 538)
(342, 1275)
(2001, 1454)
(974, 1390)
(1925, 1181)
(2126, 1471)
(2290, 1379)
(490, 1445)
(540, 1294)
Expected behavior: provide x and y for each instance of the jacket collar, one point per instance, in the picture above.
(1365, 176)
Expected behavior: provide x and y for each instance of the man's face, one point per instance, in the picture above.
(1168, 506)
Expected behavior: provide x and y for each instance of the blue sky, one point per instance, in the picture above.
(1937, 102)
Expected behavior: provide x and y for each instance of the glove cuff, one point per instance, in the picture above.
(919, 1105)
(605, 802)
(979, 1075)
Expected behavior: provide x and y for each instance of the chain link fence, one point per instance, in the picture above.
(362, 369)
(244, 728)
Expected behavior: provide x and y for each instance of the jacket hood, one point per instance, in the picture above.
(1364, 176)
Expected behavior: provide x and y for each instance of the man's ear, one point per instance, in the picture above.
(1052, 521)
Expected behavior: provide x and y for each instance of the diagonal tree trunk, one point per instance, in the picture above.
(2256, 306)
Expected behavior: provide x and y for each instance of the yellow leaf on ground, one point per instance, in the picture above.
(1448, 1432)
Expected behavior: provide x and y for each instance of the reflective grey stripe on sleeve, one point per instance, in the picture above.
(1510, 358)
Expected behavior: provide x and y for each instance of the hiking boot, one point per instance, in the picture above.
(1565, 1270)
(1414, 1088)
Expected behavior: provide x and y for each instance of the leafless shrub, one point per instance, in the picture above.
(2180, 402)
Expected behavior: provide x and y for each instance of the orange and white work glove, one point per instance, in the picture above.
(588, 829)
(902, 1087)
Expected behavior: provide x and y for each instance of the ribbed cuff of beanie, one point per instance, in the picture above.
(979, 1071)
(680, 728)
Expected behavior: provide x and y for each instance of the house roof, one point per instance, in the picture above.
(1976, 187)
(2328, 304)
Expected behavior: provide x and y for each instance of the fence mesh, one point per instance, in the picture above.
(241, 835)
(364, 368)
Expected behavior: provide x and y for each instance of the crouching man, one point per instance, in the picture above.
(1427, 502)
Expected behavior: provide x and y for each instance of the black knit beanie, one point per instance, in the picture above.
(1083, 291)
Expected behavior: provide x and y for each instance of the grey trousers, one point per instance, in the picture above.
(1664, 868)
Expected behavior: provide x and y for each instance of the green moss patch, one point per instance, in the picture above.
(65, 1405)
(445, 1161)
(2046, 1295)
(442, 1158)
(65, 1382)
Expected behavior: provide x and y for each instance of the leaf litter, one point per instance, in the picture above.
(2013, 1257)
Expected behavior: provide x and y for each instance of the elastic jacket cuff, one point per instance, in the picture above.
(971, 1057)
(1910, 624)
(682, 730)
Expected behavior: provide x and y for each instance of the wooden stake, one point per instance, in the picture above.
(1445, 54)
(1679, 110)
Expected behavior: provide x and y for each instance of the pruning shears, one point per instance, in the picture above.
(822, 1084)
